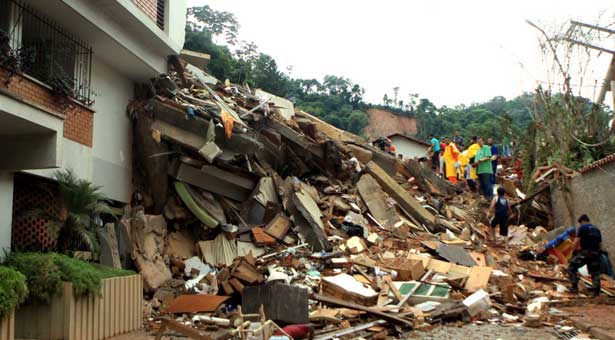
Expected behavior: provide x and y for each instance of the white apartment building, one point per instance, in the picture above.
(98, 50)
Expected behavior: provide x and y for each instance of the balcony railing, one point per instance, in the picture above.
(47, 51)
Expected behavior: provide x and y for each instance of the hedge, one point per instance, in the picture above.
(45, 273)
(13, 289)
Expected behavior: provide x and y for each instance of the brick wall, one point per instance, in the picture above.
(148, 7)
(79, 126)
(592, 194)
(78, 120)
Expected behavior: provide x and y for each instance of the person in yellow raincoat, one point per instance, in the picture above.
(472, 176)
(464, 161)
(451, 159)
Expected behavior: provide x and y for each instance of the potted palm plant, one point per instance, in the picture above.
(82, 205)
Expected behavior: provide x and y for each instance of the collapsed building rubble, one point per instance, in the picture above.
(259, 221)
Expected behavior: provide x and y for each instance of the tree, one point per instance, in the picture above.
(218, 23)
(357, 121)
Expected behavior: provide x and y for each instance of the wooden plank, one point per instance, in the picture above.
(369, 310)
(296, 137)
(343, 332)
(428, 181)
(403, 198)
(140, 296)
(247, 272)
(438, 266)
(11, 321)
(478, 278)
(376, 201)
(96, 316)
(392, 287)
(122, 303)
(69, 311)
(168, 323)
(116, 307)
(85, 318)
(108, 314)
(131, 301)
(278, 226)
(236, 285)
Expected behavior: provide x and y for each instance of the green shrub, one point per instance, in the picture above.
(86, 279)
(108, 272)
(13, 289)
(43, 275)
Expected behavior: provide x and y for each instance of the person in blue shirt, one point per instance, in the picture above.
(435, 148)
(500, 207)
(588, 240)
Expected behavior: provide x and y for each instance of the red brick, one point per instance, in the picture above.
(79, 121)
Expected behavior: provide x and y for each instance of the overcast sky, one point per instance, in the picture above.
(449, 51)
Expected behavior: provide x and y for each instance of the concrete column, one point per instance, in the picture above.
(6, 211)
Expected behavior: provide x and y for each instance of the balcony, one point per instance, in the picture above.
(40, 48)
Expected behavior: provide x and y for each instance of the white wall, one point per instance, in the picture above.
(108, 162)
(176, 21)
(408, 148)
(6, 211)
(112, 151)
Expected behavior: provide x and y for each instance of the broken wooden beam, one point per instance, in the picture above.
(347, 331)
(296, 138)
(428, 181)
(342, 303)
(176, 326)
(408, 203)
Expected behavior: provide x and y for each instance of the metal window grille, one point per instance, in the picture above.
(55, 56)
(160, 12)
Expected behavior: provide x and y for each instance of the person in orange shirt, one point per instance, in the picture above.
(451, 159)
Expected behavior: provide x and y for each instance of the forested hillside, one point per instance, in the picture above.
(337, 99)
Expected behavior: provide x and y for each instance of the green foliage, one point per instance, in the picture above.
(13, 289)
(86, 279)
(337, 100)
(83, 204)
(45, 273)
(567, 130)
(498, 118)
(217, 22)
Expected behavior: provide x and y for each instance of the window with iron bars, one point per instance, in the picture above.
(160, 12)
(45, 50)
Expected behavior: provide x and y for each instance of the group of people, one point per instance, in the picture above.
(475, 165)
(478, 163)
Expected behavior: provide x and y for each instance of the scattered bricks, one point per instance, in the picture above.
(261, 238)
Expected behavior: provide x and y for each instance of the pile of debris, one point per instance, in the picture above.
(262, 220)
